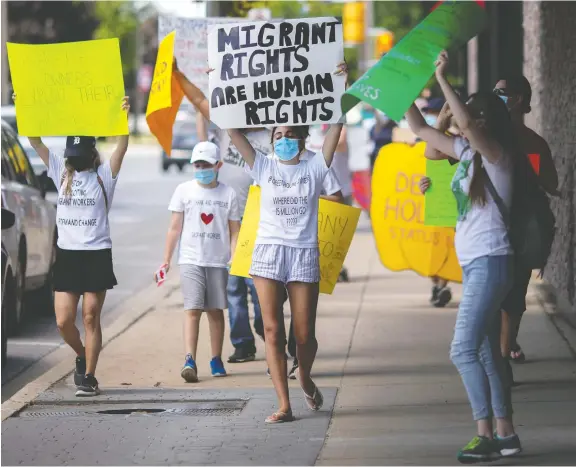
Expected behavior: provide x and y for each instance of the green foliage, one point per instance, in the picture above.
(398, 17)
(118, 19)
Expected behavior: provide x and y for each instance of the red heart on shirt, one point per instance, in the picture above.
(206, 218)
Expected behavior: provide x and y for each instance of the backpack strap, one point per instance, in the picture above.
(497, 199)
(100, 182)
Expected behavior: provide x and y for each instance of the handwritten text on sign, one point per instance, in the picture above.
(65, 89)
(191, 46)
(397, 215)
(336, 226)
(275, 73)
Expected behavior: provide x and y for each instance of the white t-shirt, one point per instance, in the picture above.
(205, 238)
(330, 184)
(82, 218)
(480, 230)
(232, 172)
(289, 200)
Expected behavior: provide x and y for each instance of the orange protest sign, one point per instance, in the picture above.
(165, 95)
(397, 214)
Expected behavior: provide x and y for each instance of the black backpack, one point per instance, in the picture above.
(531, 222)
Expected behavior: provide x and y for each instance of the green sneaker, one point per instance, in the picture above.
(480, 449)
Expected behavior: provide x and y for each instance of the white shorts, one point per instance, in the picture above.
(286, 264)
(203, 288)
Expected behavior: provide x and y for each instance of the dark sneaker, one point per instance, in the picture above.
(80, 370)
(189, 370)
(268, 372)
(443, 297)
(243, 354)
(508, 446)
(217, 367)
(434, 297)
(292, 372)
(480, 449)
(88, 387)
(343, 277)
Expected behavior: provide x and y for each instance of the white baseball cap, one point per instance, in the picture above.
(206, 151)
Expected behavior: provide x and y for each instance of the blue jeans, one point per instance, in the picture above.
(476, 345)
(237, 290)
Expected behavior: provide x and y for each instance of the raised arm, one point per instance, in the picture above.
(40, 148)
(442, 124)
(194, 95)
(442, 144)
(333, 135)
(122, 146)
(244, 147)
(478, 137)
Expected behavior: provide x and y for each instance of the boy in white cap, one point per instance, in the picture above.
(206, 221)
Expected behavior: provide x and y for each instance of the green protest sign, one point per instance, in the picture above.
(440, 209)
(397, 79)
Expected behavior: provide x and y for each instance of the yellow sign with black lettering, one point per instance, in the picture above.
(74, 88)
(397, 214)
(336, 226)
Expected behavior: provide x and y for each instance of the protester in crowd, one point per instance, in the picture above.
(486, 152)
(516, 92)
(205, 221)
(232, 174)
(380, 134)
(286, 252)
(83, 266)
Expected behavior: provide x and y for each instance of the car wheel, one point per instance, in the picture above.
(165, 165)
(18, 291)
(181, 167)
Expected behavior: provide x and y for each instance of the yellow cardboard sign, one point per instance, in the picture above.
(397, 215)
(165, 95)
(336, 226)
(74, 88)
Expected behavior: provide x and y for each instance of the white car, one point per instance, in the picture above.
(31, 243)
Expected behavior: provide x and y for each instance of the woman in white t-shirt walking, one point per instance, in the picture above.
(487, 153)
(286, 250)
(83, 265)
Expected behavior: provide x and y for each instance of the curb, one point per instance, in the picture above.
(129, 312)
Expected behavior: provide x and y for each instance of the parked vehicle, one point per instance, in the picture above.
(184, 139)
(8, 220)
(9, 116)
(31, 243)
(56, 144)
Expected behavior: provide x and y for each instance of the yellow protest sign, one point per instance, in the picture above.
(336, 226)
(74, 88)
(165, 95)
(397, 215)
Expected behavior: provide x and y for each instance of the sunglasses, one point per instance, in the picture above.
(500, 92)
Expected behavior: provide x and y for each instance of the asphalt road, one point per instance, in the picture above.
(139, 219)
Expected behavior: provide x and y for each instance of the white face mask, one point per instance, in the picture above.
(430, 119)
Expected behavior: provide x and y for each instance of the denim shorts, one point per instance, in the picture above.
(286, 264)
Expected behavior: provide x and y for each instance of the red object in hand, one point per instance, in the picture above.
(161, 275)
(535, 162)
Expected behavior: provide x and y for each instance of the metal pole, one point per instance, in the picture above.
(5, 91)
(367, 47)
(137, 64)
(212, 9)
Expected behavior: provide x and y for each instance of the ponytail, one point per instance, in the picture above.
(477, 192)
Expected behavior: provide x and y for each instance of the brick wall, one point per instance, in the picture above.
(550, 66)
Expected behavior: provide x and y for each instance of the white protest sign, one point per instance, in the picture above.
(191, 45)
(275, 73)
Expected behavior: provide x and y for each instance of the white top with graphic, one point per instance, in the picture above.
(480, 230)
(205, 239)
(289, 200)
(232, 172)
(82, 217)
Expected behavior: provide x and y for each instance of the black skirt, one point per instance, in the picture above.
(82, 271)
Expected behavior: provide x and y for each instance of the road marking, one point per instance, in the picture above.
(35, 343)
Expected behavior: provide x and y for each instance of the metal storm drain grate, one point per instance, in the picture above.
(220, 408)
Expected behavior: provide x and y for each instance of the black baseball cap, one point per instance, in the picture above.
(77, 145)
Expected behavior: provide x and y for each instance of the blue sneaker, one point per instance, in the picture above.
(189, 371)
(217, 367)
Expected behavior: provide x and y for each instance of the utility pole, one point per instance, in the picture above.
(367, 48)
(213, 9)
(5, 90)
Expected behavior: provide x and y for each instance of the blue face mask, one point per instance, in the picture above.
(504, 98)
(205, 176)
(430, 119)
(286, 148)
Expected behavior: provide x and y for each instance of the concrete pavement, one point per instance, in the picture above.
(392, 395)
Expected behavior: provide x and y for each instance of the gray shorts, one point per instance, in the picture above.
(203, 288)
(286, 264)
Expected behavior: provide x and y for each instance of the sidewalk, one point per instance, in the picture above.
(392, 397)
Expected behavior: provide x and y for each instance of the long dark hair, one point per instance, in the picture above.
(93, 153)
(492, 110)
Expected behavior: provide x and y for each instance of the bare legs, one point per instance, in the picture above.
(192, 330)
(66, 306)
(270, 294)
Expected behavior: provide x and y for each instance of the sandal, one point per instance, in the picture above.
(517, 355)
(316, 400)
(279, 417)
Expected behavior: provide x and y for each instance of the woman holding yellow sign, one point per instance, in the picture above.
(83, 265)
(487, 152)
